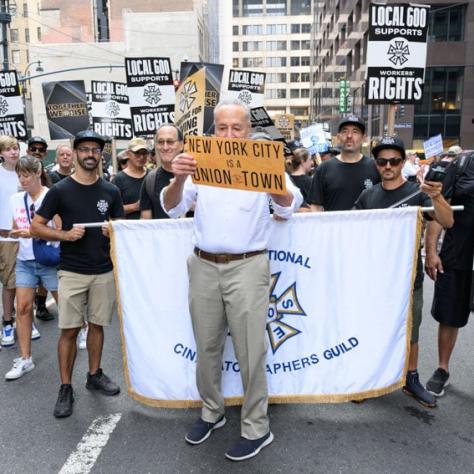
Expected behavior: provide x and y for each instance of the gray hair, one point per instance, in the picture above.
(238, 103)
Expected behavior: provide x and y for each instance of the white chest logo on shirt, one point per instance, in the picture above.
(368, 183)
(102, 206)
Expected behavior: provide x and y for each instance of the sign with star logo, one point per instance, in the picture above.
(190, 103)
(12, 117)
(110, 109)
(151, 93)
(396, 53)
(247, 87)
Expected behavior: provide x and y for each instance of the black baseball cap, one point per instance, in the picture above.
(37, 139)
(88, 136)
(389, 143)
(351, 120)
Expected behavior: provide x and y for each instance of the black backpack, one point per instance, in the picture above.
(150, 181)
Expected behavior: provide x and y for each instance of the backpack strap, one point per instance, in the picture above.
(25, 200)
(150, 181)
(462, 163)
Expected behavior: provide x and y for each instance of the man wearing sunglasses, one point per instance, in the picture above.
(338, 182)
(85, 267)
(389, 155)
(37, 147)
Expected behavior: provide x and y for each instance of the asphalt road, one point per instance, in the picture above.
(390, 434)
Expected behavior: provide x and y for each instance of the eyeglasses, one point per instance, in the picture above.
(86, 149)
(383, 161)
(32, 210)
(38, 149)
(169, 142)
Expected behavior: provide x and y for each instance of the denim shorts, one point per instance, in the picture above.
(31, 274)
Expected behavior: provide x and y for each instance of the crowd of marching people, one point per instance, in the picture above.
(44, 248)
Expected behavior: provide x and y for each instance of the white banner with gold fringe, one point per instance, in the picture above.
(338, 315)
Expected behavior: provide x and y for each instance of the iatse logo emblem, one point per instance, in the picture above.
(281, 306)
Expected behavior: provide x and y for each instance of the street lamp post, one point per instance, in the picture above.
(22, 79)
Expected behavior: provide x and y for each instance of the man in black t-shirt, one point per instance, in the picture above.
(338, 182)
(452, 269)
(390, 157)
(168, 144)
(85, 268)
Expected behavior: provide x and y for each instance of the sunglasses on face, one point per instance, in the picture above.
(37, 149)
(383, 161)
(32, 211)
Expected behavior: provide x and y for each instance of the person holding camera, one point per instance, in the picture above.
(395, 191)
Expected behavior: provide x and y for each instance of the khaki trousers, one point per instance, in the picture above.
(231, 296)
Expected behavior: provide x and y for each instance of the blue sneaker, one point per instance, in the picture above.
(248, 448)
(201, 430)
(8, 336)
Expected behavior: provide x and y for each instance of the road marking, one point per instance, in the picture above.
(82, 460)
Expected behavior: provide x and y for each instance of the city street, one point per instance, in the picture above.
(390, 434)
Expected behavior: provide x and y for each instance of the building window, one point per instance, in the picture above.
(305, 44)
(300, 7)
(38, 33)
(305, 61)
(25, 9)
(252, 46)
(276, 7)
(446, 23)
(275, 77)
(14, 35)
(27, 35)
(295, 45)
(296, 28)
(276, 45)
(235, 8)
(276, 62)
(235, 46)
(275, 93)
(304, 93)
(235, 62)
(305, 77)
(252, 30)
(295, 77)
(16, 58)
(235, 30)
(276, 29)
(440, 111)
(299, 111)
(252, 62)
(252, 8)
(295, 61)
(294, 93)
(306, 28)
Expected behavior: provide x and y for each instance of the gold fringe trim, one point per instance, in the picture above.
(276, 399)
(113, 256)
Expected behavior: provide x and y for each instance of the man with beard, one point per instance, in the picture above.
(337, 183)
(37, 147)
(85, 268)
(390, 157)
(168, 144)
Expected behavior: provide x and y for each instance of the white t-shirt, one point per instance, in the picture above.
(18, 211)
(9, 185)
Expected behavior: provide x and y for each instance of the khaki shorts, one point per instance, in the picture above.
(8, 251)
(77, 291)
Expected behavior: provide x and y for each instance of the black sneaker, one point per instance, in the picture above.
(100, 381)
(43, 314)
(437, 383)
(63, 407)
(201, 430)
(248, 448)
(414, 388)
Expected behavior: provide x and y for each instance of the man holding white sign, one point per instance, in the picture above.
(229, 283)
